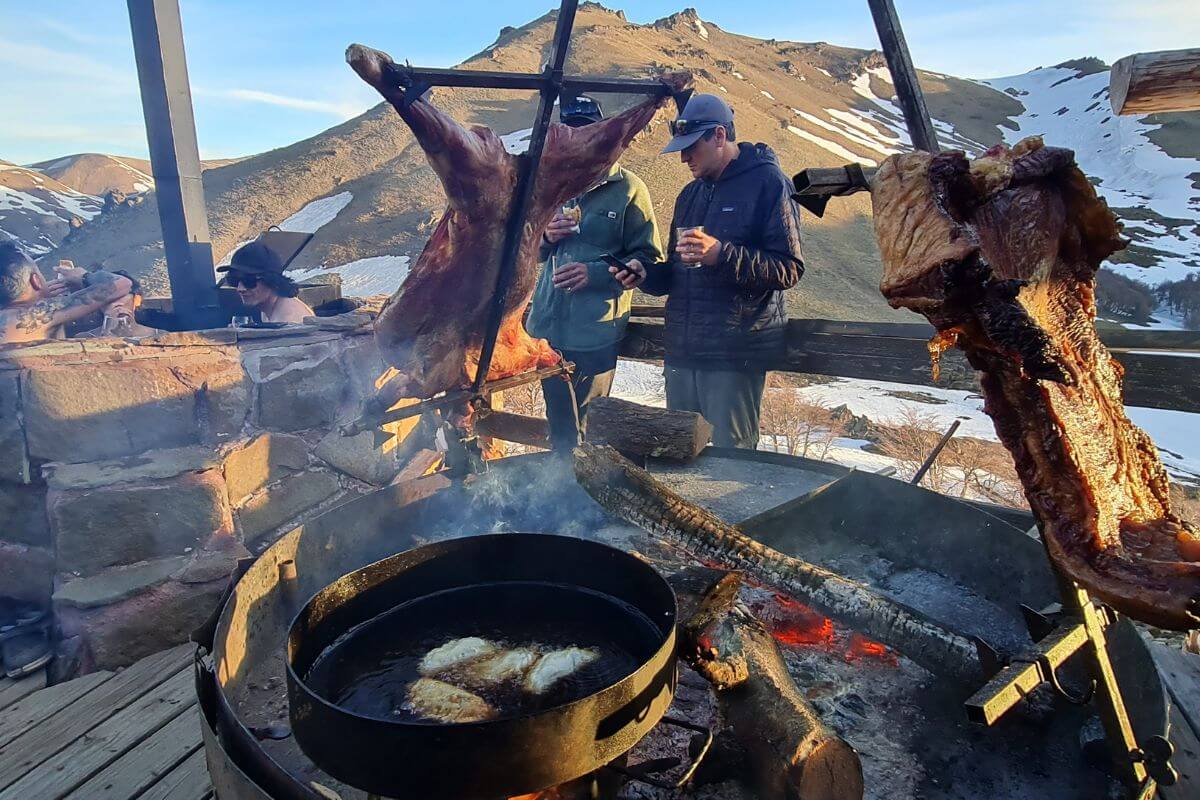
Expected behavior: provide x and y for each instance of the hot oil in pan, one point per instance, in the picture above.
(368, 670)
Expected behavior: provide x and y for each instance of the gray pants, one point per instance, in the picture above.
(728, 399)
(593, 377)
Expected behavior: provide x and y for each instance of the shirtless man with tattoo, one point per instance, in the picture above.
(32, 308)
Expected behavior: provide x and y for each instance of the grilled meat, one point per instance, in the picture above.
(1000, 254)
(431, 330)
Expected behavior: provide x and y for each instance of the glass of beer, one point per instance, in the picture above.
(574, 212)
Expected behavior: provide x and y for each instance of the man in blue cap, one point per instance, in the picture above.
(734, 249)
(578, 305)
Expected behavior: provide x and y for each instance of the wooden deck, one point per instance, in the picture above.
(105, 736)
(136, 733)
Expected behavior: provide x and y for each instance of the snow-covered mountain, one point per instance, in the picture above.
(38, 211)
(1147, 167)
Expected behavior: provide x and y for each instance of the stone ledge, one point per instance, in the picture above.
(23, 516)
(123, 524)
(117, 583)
(14, 461)
(285, 501)
(263, 460)
(148, 466)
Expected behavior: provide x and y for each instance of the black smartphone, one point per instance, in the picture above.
(613, 261)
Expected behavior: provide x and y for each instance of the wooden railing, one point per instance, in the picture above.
(1162, 368)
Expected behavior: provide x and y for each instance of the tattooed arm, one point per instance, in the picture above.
(40, 319)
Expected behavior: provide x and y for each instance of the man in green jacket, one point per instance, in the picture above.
(578, 306)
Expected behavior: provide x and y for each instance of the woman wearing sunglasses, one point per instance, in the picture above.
(257, 273)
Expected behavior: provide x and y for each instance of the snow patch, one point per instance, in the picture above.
(317, 214)
(766, 94)
(364, 277)
(1132, 170)
(832, 147)
(825, 72)
(853, 135)
(138, 186)
(739, 75)
(700, 29)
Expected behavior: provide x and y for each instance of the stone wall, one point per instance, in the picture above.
(134, 475)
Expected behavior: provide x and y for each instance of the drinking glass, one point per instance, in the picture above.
(109, 326)
(239, 322)
(679, 234)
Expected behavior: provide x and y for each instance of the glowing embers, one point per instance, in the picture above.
(794, 624)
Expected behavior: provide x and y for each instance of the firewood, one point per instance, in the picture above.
(633, 495)
(1147, 83)
(532, 431)
(789, 751)
(641, 431)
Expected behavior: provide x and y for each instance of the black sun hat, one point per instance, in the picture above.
(255, 258)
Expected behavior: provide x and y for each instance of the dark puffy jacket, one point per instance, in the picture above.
(732, 315)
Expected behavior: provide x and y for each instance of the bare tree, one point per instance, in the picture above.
(967, 467)
(909, 439)
(797, 427)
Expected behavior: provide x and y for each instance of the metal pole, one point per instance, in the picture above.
(551, 86)
(904, 75)
(935, 452)
(175, 159)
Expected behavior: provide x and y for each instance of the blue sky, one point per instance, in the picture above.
(267, 73)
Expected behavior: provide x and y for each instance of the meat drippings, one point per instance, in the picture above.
(1003, 252)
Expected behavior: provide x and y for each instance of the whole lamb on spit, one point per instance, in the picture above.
(432, 328)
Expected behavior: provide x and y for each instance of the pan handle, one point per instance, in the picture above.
(643, 772)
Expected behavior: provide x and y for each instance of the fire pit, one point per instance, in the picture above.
(963, 565)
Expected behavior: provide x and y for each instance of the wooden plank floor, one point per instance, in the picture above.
(105, 736)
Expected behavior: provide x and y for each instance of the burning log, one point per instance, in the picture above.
(635, 496)
(641, 431)
(789, 751)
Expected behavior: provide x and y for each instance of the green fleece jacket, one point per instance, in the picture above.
(617, 219)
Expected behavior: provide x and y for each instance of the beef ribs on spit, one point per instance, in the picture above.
(432, 328)
(1000, 254)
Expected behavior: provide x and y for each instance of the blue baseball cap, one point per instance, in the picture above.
(702, 113)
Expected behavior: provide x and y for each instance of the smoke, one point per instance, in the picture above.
(528, 494)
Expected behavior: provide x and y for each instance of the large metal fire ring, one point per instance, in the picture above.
(260, 606)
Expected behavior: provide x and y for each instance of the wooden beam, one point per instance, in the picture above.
(1147, 83)
(1155, 376)
(638, 431)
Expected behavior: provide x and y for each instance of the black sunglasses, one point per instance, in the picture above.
(235, 278)
(682, 127)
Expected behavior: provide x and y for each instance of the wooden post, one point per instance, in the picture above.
(1146, 83)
